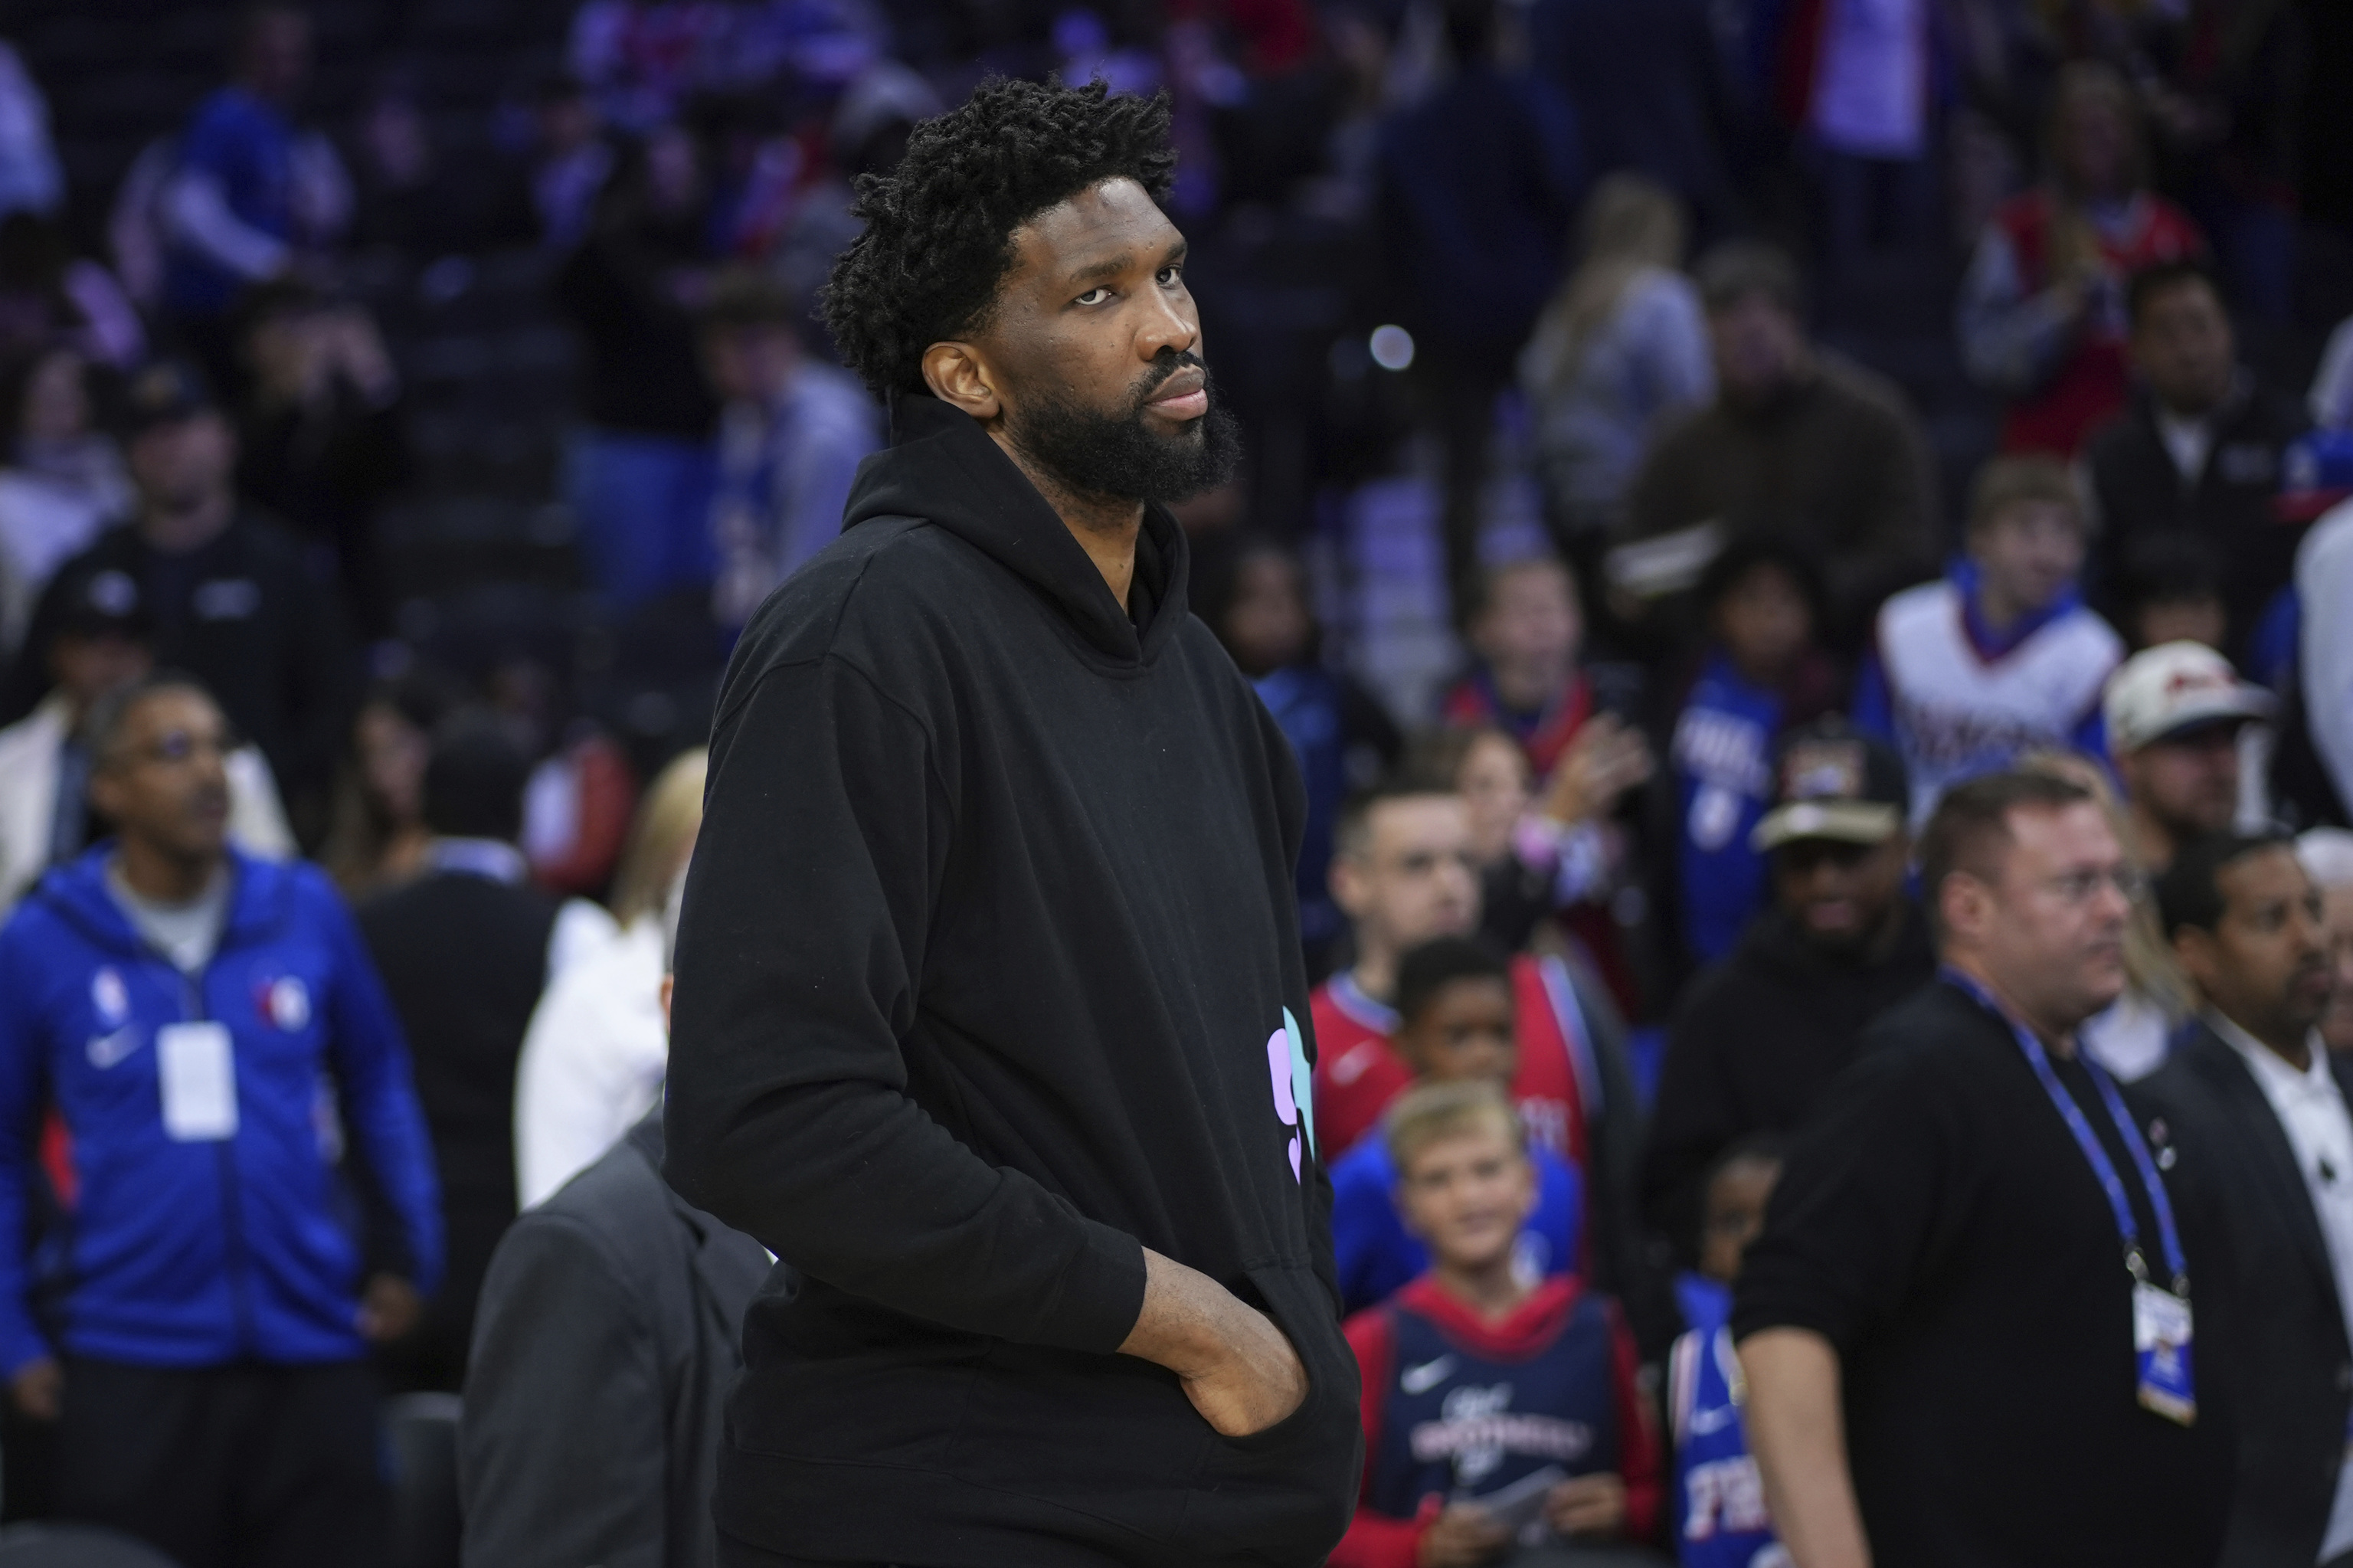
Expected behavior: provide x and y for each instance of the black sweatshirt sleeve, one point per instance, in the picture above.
(824, 841)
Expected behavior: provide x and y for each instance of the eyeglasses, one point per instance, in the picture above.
(2083, 886)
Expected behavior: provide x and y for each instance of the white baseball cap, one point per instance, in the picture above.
(2175, 686)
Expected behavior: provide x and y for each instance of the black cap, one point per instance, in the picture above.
(1830, 780)
(106, 603)
(162, 393)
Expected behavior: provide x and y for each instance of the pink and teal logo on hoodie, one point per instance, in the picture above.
(1295, 1104)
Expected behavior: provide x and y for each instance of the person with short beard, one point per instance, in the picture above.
(2250, 1111)
(990, 1009)
(1761, 1034)
(2175, 715)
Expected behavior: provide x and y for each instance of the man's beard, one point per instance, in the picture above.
(1092, 453)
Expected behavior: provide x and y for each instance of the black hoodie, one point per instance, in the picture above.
(989, 975)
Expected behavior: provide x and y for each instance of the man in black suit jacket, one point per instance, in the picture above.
(2253, 1108)
(463, 951)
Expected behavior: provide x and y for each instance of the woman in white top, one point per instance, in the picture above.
(1620, 351)
(597, 1051)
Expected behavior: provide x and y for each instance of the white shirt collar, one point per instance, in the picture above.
(2276, 1074)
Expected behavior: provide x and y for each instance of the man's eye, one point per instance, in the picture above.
(1093, 297)
(1169, 275)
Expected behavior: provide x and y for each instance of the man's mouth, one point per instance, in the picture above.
(1184, 396)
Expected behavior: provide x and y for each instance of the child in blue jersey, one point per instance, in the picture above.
(1456, 1023)
(1762, 674)
(1719, 1500)
(1498, 1411)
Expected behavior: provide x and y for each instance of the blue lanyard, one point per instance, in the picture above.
(2169, 1237)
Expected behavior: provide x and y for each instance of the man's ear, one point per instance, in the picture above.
(1964, 905)
(958, 377)
(106, 793)
(2193, 949)
(1346, 880)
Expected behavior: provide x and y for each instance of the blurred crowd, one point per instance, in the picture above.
(1624, 297)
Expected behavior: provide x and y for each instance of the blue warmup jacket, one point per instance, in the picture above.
(193, 1254)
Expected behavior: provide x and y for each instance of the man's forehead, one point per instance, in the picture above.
(1108, 220)
(1407, 824)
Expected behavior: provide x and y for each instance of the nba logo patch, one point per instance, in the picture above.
(287, 1003)
(109, 998)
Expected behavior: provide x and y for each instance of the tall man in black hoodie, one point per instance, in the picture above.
(990, 1008)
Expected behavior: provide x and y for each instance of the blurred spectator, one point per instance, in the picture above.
(640, 58)
(2324, 587)
(2327, 856)
(596, 1053)
(577, 808)
(1901, 1409)
(49, 297)
(2256, 1111)
(1403, 874)
(233, 601)
(30, 180)
(2167, 589)
(1536, 857)
(867, 135)
(1526, 633)
(1763, 672)
(571, 161)
(1859, 98)
(1478, 183)
(1760, 1035)
(641, 471)
(2174, 714)
(180, 1007)
(1718, 1501)
(792, 431)
(321, 437)
(606, 1345)
(1647, 81)
(1620, 352)
(2132, 1036)
(1799, 441)
(2198, 453)
(62, 481)
(403, 200)
(2331, 401)
(603, 1354)
(1548, 1367)
(1254, 594)
(1455, 1025)
(2000, 655)
(2042, 315)
(250, 193)
(100, 648)
(377, 837)
(463, 949)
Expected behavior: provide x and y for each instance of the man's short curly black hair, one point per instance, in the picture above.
(938, 239)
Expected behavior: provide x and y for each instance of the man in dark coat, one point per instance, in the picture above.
(2254, 1108)
(2198, 453)
(603, 1351)
(463, 952)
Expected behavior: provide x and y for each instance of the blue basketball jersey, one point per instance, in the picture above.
(1719, 1500)
(1457, 1424)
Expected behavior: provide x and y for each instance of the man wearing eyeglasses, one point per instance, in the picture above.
(1970, 1332)
(187, 1036)
(1761, 1034)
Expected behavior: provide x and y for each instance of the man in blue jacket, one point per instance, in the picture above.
(187, 1036)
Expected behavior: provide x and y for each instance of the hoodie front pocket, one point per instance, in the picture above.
(1284, 1496)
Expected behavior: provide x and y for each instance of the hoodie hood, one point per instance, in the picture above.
(943, 467)
(78, 892)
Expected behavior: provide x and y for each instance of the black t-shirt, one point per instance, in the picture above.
(1938, 1223)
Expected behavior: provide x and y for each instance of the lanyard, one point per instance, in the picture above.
(2169, 1237)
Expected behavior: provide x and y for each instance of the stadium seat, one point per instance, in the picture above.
(75, 1546)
